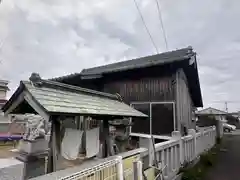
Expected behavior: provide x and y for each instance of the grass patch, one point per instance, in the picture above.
(207, 160)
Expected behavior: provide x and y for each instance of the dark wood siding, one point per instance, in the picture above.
(157, 84)
(183, 102)
(146, 89)
(94, 84)
(153, 86)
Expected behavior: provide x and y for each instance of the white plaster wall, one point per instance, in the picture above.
(3, 94)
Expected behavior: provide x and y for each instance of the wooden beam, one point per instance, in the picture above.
(106, 142)
(54, 145)
(18, 101)
(50, 155)
(83, 119)
(58, 137)
(36, 106)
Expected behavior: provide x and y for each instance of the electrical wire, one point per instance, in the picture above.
(150, 36)
(161, 22)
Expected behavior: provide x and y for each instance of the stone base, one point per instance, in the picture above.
(11, 169)
(34, 164)
(32, 147)
(33, 154)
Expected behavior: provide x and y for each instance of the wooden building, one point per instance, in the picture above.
(164, 86)
(58, 103)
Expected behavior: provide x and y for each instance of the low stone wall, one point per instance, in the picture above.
(11, 169)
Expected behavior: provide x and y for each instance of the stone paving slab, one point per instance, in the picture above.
(228, 165)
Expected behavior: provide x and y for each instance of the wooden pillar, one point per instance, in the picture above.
(82, 127)
(85, 126)
(50, 155)
(105, 139)
(54, 145)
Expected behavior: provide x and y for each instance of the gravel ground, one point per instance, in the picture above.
(5, 152)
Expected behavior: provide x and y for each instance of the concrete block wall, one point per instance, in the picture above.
(11, 169)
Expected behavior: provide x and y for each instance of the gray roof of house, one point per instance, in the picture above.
(210, 111)
(55, 97)
(158, 59)
(181, 55)
(142, 62)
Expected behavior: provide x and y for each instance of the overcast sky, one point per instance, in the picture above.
(58, 37)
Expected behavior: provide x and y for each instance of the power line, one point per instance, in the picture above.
(234, 101)
(150, 36)
(226, 106)
(161, 22)
(226, 103)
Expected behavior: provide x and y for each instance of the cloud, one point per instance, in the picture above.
(59, 37)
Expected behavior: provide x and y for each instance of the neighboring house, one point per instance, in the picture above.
(211, 116)
(4, 121)
(230, 118)
(165, 86)
(11, 124)
(3, 92)
(4, 124)
(210, 112)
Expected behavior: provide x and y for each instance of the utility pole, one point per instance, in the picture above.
(226, 103)
(226, 106)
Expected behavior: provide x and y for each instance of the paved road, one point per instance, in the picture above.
(228, 166)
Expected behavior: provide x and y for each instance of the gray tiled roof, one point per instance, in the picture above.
(56, 97)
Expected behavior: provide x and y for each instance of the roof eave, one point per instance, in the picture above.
(13, 97)
(97, 115)
(199, 101)
(86, 73)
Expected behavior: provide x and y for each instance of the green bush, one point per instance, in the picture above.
(218, 140)
(207, 159)
(198, 171)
